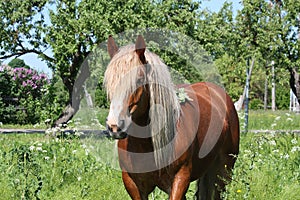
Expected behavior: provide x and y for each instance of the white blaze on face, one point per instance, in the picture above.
(118, 115)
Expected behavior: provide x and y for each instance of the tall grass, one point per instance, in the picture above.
(270, 120)
(42, 167)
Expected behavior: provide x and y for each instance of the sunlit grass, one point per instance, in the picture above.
(37, 166)
(271, 120)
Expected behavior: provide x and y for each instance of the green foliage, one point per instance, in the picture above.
(22, 91)
(18, 63)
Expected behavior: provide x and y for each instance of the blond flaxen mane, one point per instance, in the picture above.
(121, 78)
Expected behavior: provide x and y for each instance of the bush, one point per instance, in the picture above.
(21, 91)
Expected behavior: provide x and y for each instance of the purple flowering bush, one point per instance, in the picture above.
(21, 95)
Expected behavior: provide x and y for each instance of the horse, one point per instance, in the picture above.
(165, 141)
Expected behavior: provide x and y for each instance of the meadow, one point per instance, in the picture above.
(35, 166)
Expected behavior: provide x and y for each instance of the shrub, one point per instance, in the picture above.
(21, 90)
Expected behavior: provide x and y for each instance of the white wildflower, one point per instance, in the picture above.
(39, 148)
(276, 151)
(77, 133)
(47, 121)
(295, 149)
(44, 151)
(47, 157)
(289, 119)
(31, 148)
(272, 142)
(87, 152)
(48, 131)
(277, 118)
(286, 156)
(74, 151)
(79, 178)
(294, 141)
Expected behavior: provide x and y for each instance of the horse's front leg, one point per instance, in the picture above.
(132, 188)
(180, 184)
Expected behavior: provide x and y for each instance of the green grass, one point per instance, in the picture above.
(36, 166)
(269, 120)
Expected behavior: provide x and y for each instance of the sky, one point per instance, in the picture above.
(33, 61)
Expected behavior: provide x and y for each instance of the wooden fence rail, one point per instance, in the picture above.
(104, 133)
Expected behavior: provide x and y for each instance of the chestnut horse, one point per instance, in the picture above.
(165, 141)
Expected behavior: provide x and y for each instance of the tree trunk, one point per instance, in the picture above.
(295, 83)
(266, 90)
(273, 88)
(239, 104)
(75, 86)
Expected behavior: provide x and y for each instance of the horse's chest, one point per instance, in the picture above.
(153, 179)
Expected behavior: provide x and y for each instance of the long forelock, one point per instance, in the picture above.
(121, 74)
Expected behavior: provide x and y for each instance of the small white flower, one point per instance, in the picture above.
(47, 158)
(272, 142)
(289, 119)
(294, 141)
(87, 152)
(286, 156)
(78, 178)
(74, 151)
(295, 148)
(48, 131)
(276, 151)
(77, 133)
(277, 118)
(44, 151)
(31, 148)
(39, 148)
(47, 121)
(40, 144)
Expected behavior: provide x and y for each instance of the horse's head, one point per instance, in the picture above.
(126, 84)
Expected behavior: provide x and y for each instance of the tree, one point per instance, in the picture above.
(77, 27)
(18, 63)
(262, 29)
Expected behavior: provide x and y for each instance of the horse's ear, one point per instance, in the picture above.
(112, 47)
(140, 47)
